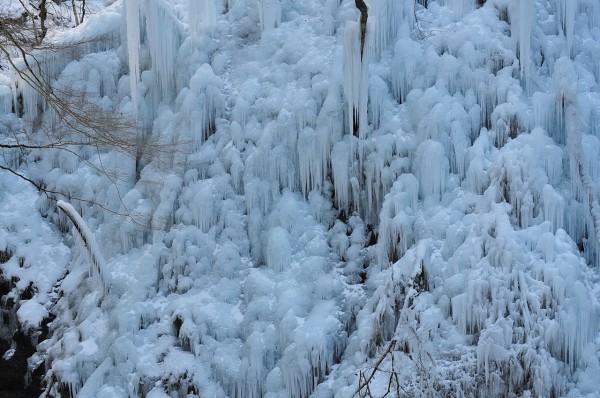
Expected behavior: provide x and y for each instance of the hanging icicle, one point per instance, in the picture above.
(356, 77)
(202, 16)
(132, 15)
(565, 15)
(521, 16)
(461, 7)
(269, 12)
(89, 242)
(164, 34)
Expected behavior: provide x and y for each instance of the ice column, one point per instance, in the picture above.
(132, 15)
(565, 10)
(355, 77)
(461, 7)
(89, 242)
(269, 12)
(387, 15)
(202, 16)
(431, 168)
(164, 35)
(521, 14)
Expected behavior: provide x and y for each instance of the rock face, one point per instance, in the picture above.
(14, 370)
(32, 259)
(16, 348)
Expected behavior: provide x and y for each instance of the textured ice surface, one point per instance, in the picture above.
(314, 206)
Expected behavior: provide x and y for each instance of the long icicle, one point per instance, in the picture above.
(89, 242)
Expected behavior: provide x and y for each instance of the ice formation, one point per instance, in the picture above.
(356, 55)
(132, 13)
(202, 16)
(269, 12)
(89, 242)
(521, 15)
(417, 190)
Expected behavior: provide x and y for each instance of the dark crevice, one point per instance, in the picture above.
(17, 346)
(13, 369)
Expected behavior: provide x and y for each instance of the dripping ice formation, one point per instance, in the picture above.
(436, 194)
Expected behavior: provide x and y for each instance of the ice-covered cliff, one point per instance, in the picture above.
(338, 208)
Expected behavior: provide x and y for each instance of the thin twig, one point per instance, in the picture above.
(367, 381)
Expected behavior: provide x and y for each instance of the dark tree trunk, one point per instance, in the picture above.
(43, 15)
(364, 14)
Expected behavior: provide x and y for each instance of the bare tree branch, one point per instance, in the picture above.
(80, 121)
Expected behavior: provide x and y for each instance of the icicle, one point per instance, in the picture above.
(377, 8)
(89, 242)
(95, 380)
(274, 164)
(547, 155)
(163, 216)
(278, 252)
(258, 196)
(341, 156)
(395, 219)
(545, 245)
(330, 124)
(329, 10)
(355, 77)
(431, 167)
(356, 192)
(459, 144)
(374, 167)
(526, 210)
(241, 111)
(387, 15)
(554, 206)
(565, 83)
(591, 8)
(378, 92)
(308, 359)
(202, 206)
(67, 162)
(566, 10)
(486, 98)
(521, 16)
(548, 114)
(132, 14)
(304, 109)
(323, 143)
(203, 103)
(164, 34)
(269, 12)
(29, 97)
(202, 16)
(410, 185)
(461, 7)
(406, 54)
(5, 100)
(448, 71)
(311, 162)
(237, 135)
(352, 68)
